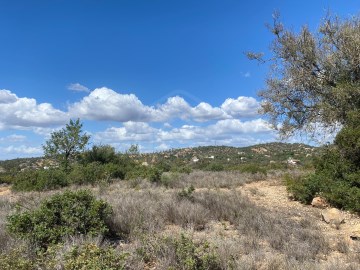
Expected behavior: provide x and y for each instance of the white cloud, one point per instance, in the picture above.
(22, 113)
(13, 138)
(205, 112)
(22, 149)
(77, 87)
(106, 104)
(226, 131)
(162, 147)
(241, 107)
(167, 125)
(131, 131)
(7, 97)
(174, 107)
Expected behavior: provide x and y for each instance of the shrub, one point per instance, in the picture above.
(215, 167)
(154, 175)
(151, 173)
(304, 188)
(115, 170)
(39, 180)
(187, 193)
(253, 169)
(6, 178)
(336, 178)
(179, 252)
(182, 169)
(66, 214)
(168, 179)
(15, 259)
(90, 256)
(100, 153)
(191, 256)
(87, 174)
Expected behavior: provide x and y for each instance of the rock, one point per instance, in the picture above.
(355, 232)
(333, 216)
(319, 202)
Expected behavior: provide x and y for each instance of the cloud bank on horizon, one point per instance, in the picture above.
(173, 123)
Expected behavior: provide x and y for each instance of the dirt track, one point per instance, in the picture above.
(273, 196)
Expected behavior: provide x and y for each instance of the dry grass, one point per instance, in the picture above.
(149, 219)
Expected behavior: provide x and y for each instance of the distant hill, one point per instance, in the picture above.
(261, 154)
(198, 157)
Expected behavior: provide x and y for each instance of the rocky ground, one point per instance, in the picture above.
(343, 238)
(271, 196)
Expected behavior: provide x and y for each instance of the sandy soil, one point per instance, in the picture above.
(272, 195)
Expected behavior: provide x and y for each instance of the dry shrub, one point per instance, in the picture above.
(203, 179)
(136, 212)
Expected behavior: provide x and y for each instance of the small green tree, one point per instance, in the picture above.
(133, 150)
(65, 144)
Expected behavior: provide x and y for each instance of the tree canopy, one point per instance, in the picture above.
(315, 76)
(65, 144)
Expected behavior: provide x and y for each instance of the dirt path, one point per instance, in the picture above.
(272, 195)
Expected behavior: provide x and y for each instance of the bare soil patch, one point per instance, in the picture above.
(4, 191)
(273, 196)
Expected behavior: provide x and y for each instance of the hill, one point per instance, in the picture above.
(275, 154)
(269, 154)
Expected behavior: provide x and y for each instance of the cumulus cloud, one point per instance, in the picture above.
(22, 149)
(24, 112)
(228, 130)
(7, 97)
(106, 104)
(77, 87)
(241, 107)
(131, 131)
(13, 138)
(205, 112)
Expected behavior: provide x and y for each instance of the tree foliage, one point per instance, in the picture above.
(67, 214)
(315, 76)
(65, 144)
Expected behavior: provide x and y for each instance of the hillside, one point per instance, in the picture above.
(274, 154)
(261, 154)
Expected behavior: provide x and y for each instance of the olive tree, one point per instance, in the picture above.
(64, 145)
(315, 76)
(314, 80)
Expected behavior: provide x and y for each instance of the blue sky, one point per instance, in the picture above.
(158, 73)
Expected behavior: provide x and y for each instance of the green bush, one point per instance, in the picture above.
(215, 167)
(87, 256)
(191, 256)
(252, 168)
(6, 178)
(336, 177)
(16, 259)
(181, 169)
(66, 214)
(169, 178)
(304, 188)
(90, 256)
(153, 174)
(100, 153)
(87, 174)
(187, 193)
(39, 180)
(179, 252)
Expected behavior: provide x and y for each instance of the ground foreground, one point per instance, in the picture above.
(204, 220)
